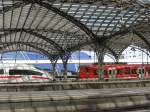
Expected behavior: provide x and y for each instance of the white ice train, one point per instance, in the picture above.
(22, 73)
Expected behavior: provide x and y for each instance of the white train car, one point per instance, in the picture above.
(22, 73)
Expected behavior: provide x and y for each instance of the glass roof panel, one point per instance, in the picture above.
(38, 24)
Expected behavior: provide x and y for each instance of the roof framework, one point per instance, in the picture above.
(56, 28)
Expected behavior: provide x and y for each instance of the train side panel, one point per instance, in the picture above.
(147, 71)
(117, 71)
(83, 73)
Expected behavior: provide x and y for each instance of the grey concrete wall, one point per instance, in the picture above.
(73, 85)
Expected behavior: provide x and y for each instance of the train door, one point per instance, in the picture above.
(131, 71)
(134, 72)
(111, 72)
(141, 72)
(101, 72)
(95, 72)
(127, 72)
(106, 74)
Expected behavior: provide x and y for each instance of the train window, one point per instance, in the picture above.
(95, 72)
(111, 72)
(133, 71)
(1, 71)
(127, 71)
(140, 71)
(119, 71)
(23, 72)
(30, 72)
(17, 72)
(87, 70)
(143, 71)
(105, 72)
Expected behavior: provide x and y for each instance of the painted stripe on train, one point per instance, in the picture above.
(40, 77)
(10, 77)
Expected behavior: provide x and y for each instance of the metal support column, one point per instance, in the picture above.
(147, 56)
(100, 57)
(53, 60)
(65, 69)
(65, 59)
(117, 59)
(54, 73)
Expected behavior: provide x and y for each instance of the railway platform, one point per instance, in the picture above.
(88, 100)
(58, 86)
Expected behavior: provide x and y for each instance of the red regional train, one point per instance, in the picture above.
(115, 71)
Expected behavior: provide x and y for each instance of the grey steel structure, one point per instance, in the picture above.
(56, 28)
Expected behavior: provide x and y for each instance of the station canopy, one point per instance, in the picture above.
(58, 27)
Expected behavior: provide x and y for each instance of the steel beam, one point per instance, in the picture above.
(89, 43)
(65, 59)
(142, 37)
(124, 3)
(111, 50)
(46, 39)
(40, 30)
(135, 48)
(66, 16)
(35, 34)
(24, 43)
(14, 6)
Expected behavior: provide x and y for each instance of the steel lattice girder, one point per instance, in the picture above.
(19, 47)
(72, 22)
(39, 35)
(61, 13)
(32, 32)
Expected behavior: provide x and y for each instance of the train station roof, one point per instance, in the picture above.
(58, 27)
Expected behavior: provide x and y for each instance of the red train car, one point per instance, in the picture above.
(144, 70)
(147, 70)
(88, 72)
(118, 71)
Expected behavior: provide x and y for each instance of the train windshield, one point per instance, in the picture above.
(24, 72)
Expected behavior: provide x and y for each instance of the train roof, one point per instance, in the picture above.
(15, 65)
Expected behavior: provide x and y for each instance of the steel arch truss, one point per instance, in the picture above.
(33, 23)
(23, 46)
(57, 28)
